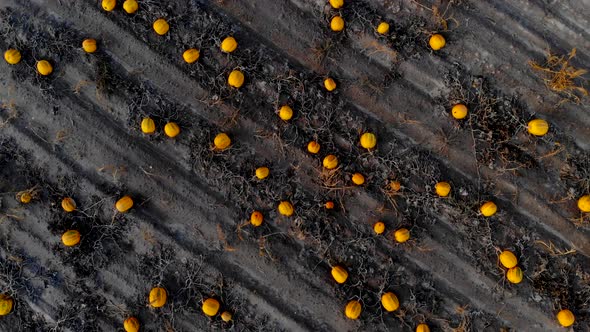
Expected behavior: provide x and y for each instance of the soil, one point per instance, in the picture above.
(76, 133)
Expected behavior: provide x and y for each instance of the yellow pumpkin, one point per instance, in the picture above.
(285, 113)
(235, 79)
(161, 26)
(158, 297)
(191, 55)
(109, 5)
(442, 189)
(488, 209)
(286, 208)
(44, 67)
(148, 126)
(459, 111)
(329, 84)
(68, 204)
(368, 140)
(89, 45)
(508, 259)
(422, 328)
(358, 179)
(130, 6)
(229, 44)
(25, 198)
(313, 147)
(395, 186)
(330, 162)
(226, 316)
(538, 127)
(222, 141)
(131, 324)
(402, 235)
(12, 56)
(256, 218)
(171, 129)
(353, 309)
(566, 318)
(514, 275)
(337, 24)
(336, 4)
(329, 205)
(262, 172)
(437, 41)
(390, 301)
(124, 204)
(210, 307)
(379, 227)
(339, 274)
(383, 28)
(70, 238)
(6, 304)
(584, 203)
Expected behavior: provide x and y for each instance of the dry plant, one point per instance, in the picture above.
(554, 251)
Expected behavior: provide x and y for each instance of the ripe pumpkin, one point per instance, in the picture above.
(379, 227)
(158, 297)
(124, 204)
(337, 3)
(337, 24)
(422, 328)
(44, 67)
(339, 274)
(538, 127)
(286, 208)
(395, 186)
(6, 304)
(389, 301)
(256, 218)
(12, 56)
(488, 209)
(226, 316)
(68, 204)
(442, 189)
(368, 140)
(89, 45)
(25, 198)
(383, 28)
(210, 307)
(222, 141)
(171, 129)
(191, 55)
(508, 259)
(313, 147)
(514, 275)
(262, 172)
(353, 309)
(109, 5)
(459, 111)
(584, 203)
(358, 179)
(131, 324)
(148, 126)
(235, 79)
(330, 162)
(437, 41)
(329, 205)
(70, 238)
(161, 26)
(285, 113)
(329, 84)
(130, 6)
(229, 44)
(566, 318)
(402, 235)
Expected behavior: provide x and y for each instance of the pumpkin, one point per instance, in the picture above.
(313, 147)
(109, 5)
(285, 113)
(210, 307)
(383, 28)
(6, 304)
(44, 67)
(124, 204)
(226, 316)
(130, 6)
(566, 318)
(256, 218)
(538, 127)
(161, 26)
(221, 141)
(389, 301)
(488, 209)
(459, 111)
(171, 129)
(358, 179)
(395, 186)
(235, 79)
(437, 41)
(379, 227)
(508, 259)
(442, 189)
(337, 3)
(422, 328)
(337, 24)
(329, 205)
(330, 162)
(25, 198)
(131, 324)
(89, 45)
(584, 203)
(70, 238)
(229, 44)
(368, 140)
(514, 275)
(262, 172)
(158, 297)
(68, 204)
(402, 235)
(148, 126)
(191, 55)
(286, 208)
(339, 274)
(329, 84)
(353, 309)
(12, 56)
